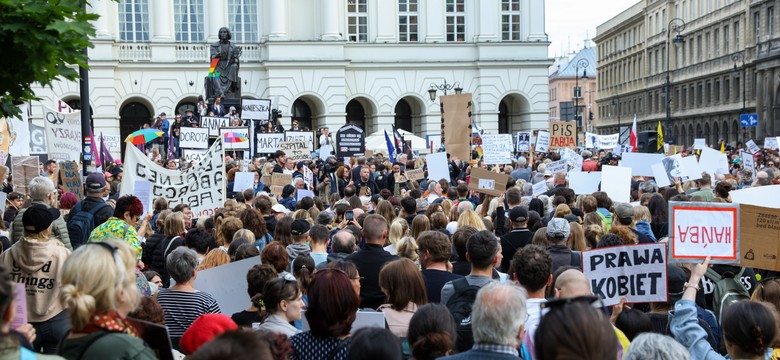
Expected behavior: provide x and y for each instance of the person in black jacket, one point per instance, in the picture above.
(370, 259)
(365, 186)
(516, 239)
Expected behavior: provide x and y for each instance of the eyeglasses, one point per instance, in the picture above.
(120, 264)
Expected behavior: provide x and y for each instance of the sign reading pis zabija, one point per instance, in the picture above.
(563, 134)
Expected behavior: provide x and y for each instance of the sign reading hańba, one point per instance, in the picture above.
(63, 134)
(704, 229)
(200, 187)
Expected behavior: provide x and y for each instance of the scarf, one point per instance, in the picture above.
(108, 321)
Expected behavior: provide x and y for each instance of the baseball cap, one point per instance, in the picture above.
(558, 229)
(299, 227)
(116, 171)
(232, 108)
(676, 279)
(96, 182)
(548, 173)
(518, 214)
(624, 211)
(39, 217)
(279, 208)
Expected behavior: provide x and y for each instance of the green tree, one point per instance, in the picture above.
(42, 42)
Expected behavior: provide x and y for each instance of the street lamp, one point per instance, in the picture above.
(616, 103)
(677, 25)
(444, 88)
(582, 63)
(740, 57)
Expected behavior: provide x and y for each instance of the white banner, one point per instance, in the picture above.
(523, 141)
(19, 134)
(555, 167)
(752, 147)
(542, 141)
(595, 141)
(201, 186)
(497, 149)
(305, 136)
(235, 138)
(268, 143)
(213, 123)
(255, 109)
(63, 134)
(194, 138)
(38, 144)
(637, 272)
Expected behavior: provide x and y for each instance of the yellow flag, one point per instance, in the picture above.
(660, 138)
(722, 147)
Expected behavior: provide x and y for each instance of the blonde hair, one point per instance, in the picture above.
(246, 234)
(226, 228)
(398, 229)
(494, 204)
(407, 248)
(84, 293)
(446, 205)
(642, 213)
(471, 218)
(174, 224)
(540, 238)
(214, 258)
(301, 214)
(561, 211)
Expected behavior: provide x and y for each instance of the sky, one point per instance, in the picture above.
(570, 22)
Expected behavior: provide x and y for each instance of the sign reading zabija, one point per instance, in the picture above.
(201, 186)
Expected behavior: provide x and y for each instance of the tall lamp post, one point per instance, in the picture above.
(616, 102)
(433, 89)
(735, 58)
(582, 63)
(677, 25)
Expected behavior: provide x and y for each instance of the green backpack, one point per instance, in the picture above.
(728, 290)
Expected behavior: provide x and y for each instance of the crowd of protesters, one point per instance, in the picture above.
(457, 273)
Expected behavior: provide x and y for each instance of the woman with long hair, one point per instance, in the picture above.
(283, 301)
(404, 289)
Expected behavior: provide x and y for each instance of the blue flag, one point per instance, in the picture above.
(390, 147)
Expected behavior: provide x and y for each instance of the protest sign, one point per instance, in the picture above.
(305, 136)
(563, 134)
(24, 169)
(497, 149)
(255, 109)
(584, 182)
(276, 189)
(701, 229)
(63, 134)
(433, 141)
(438, 167)
(350, 141)
(765, 196)
(213, 123)
(143, 191)
(235, 137)
(243, 181)
(699, 144)
(640, 163)
(760, 237)
(71, 177)
(38, 143)
(712, 162)
(300, 194)
(415, 174)
(596, 141)
(18, 134)
(573, 160)
(770, 143)
(752, 147)
(456, 118)
(295, 150)
(487, 182)
(228, 289)
(539, 188)
(523, 141)
(201, 186)
(616, 182)
(555, 167)
(637, 272)
(748, 162)
(20, 295)
(268, 143)
(194, 138)
(192, 154)
(281, 179)
(542, 141)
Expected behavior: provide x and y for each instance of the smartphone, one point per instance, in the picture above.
(349, 215)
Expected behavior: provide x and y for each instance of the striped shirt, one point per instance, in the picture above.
(181, 308)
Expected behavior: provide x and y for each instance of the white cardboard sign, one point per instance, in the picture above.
(700, 229)
(542, 141)
(584, 182)
(497, 149)
(752, 147)
(640, 163)
(193, 138)
(616, 182)
(438, 168)
(637, 272)
(540, 188)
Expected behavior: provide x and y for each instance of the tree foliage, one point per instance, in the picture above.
(41, 41)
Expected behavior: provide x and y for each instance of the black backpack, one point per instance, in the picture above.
(459, 305)
(81, 224)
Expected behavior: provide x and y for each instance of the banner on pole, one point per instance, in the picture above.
(637, 272)
(456, 116)
(201, 186)
(701, 229)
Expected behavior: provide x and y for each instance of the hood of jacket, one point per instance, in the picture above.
(296, 249)
(32, 255)
(644, 227)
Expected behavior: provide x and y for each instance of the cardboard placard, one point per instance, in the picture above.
(770, 142)
(699, 144)
(584, 182)
(616, 182)
(193, 155)
(499, 182)
(24, 169)
(243, 181)
(637, 272)
(213, 123)
(227, 284)
(563, 134)
(701, 229)
(765, 196)
(235, 138)
(277, 189)
(295, 150)
(300, 194)
(497, 149)
(455, 120)
(350, 141)
(71, 178)
(256, 109)
(596, 141)
(760, 246)
(640, 163)
(542, 142)
(539, 188)
(305, 136)
(713, 162)
(281, 179)
(555, 167)
(572, 158)
(415, 174)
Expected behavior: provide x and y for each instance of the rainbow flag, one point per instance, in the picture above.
(213, 66)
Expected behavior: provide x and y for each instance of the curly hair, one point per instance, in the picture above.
(531, 266)
(275, 254)
(253, 221)
(227, 228)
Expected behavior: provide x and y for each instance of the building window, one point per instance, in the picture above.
(407, 20)
(736, 34)
(717, 91)
(510, 20)
(757, 25)
(242, 17)
(188, 20)
(698, 48)
(770, 20)
(357, 18)
(716, 38)
(134, 20)
(727, 88)
(456, 20)
(726, 39)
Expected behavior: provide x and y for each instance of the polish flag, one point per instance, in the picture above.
(632, 137)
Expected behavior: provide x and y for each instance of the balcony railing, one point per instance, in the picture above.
(134, 52)
(142, 52)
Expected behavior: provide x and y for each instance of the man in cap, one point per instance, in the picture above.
(93, 203)
(516, 239)
(278, 211)
(299, 229)
(558, 232)
(624, 214)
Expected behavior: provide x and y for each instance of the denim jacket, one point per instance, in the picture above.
(644, 228)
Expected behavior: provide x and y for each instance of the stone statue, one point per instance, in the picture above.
(227, 84)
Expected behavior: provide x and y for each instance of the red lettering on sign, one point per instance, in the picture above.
(705, 235)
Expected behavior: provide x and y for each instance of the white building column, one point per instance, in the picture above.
(329, 16)
(489, 17)
(161, 20)
(278, 19)
(535, 18)
(434, 21)
(100, 8)
(216, 17)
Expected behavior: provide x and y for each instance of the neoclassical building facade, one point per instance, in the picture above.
(328, 62)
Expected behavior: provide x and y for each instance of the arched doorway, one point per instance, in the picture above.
(513, 114)
(683, 134)
(183, 106)
(75, 104)
(301, 111)
(707, 138)
(356, 114)
(132, 116)
(403, 116)
(724, 132)
(503, 118)
(715, 135)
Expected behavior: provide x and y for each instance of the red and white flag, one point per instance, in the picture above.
(633, 136)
